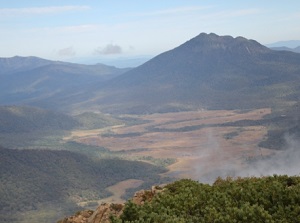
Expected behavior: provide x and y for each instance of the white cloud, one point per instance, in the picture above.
(67, 52)
(109, 49)
(41, 10)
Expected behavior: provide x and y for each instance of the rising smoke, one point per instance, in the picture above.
(280, 162)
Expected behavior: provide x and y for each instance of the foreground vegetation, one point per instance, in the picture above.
(266, 199)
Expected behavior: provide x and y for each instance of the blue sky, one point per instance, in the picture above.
(70, 29)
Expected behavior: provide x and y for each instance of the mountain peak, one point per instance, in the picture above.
(207, 71)
(211, 42)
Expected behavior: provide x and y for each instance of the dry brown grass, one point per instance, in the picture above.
(90, 132)
(203, 148)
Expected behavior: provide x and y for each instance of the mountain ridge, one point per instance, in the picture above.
(204, 72)
(284, 48)
(17, 63)
(43, 83)
(285, 43)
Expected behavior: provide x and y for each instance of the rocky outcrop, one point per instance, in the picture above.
(103, 213)
(79, 217)
(100, 215)
(140, 197)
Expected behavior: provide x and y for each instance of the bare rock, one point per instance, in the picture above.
(79, 217)
(140, 197)
(104, 211)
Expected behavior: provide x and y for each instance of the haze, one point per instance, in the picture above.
(103, 31)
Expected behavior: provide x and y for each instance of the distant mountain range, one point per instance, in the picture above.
(287, 43)
(295, 50)
(45, 83)
(121, 62)
(22, 64)
(208, 71)
(291, 45)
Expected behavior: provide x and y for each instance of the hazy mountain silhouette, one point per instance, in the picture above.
(295, 50)
(46, 83)
(286, 43)
(208, 71)
(17, 63)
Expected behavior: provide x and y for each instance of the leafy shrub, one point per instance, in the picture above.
(266, 199)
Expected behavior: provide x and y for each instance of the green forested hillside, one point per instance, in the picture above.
(24, 126)
(33, 178)
(32, 127)
(266, 199)
(17, 119)
(90, 120)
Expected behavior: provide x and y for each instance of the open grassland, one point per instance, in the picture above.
(199, 141)
(91, 132)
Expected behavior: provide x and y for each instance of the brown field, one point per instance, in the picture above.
(197, 140)
(91, 132)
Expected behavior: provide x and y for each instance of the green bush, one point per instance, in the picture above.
(266, 199)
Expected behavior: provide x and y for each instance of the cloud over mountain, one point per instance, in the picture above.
(109, 49)
(67, 52)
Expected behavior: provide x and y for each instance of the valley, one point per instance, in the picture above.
(200, 142)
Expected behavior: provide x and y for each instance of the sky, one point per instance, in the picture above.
(98, 30)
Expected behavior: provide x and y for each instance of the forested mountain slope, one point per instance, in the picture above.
(208, 71)
(50, 181)
(18, 119)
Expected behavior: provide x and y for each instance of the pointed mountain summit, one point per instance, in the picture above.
(208, 71)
